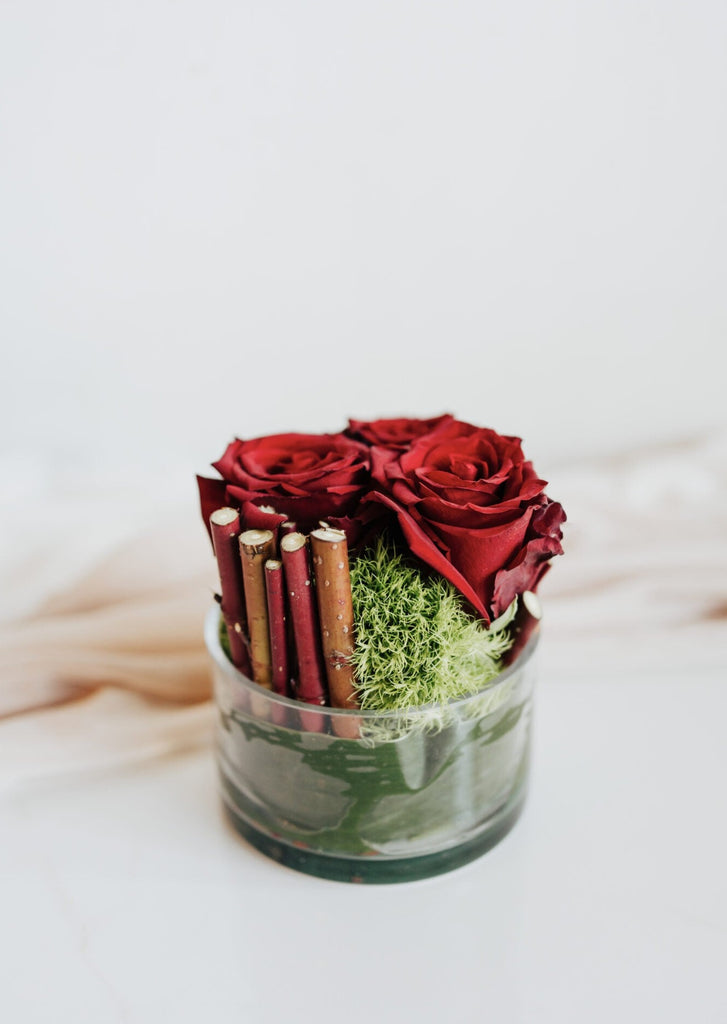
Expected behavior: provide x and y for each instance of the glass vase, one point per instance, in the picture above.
(365, 796)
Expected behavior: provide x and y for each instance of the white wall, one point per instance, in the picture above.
(246, 217)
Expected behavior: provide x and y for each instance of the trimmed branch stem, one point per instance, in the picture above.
(306, 632)
(256, 546)
(225, 530)
(335, 608)
(275, 591)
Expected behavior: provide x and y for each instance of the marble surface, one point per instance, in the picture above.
(126, 896)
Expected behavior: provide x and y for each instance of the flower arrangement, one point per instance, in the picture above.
(373, 649)
(398, 548)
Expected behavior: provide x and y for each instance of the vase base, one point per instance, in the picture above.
(380, 869)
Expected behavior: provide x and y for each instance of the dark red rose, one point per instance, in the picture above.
(394, 433)
(303, 477)
(471, 507)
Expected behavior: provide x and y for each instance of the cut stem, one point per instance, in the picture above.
(306, 632)
(256, 546)
(225, 530)
(275, 591)
(335, 608)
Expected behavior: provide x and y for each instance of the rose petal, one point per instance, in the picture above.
(423, 547)
(394, 433)
(212, 495)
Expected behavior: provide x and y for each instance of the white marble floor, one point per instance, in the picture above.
(126, 897)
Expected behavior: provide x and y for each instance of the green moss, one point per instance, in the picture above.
(416, 643)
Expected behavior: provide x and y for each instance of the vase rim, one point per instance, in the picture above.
(217, 653)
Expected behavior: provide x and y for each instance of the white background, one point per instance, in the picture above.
(225, 218)
(221, 218)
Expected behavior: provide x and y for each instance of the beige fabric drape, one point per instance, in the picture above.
(110, 667)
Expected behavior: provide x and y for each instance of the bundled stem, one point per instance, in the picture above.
(335, 607)
(311, 670)
(256, 546)
(225, 530)
(275, 592)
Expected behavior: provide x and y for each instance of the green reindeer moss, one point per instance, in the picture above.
(416, 643)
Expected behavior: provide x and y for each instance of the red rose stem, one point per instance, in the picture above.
(256, 546)
(225, 530)
(529, 614)
(288, 527)
(306, 632)
(275, 592)
(335, 608)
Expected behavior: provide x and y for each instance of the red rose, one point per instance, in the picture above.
(472, 508)
(304, 477)
(395, 433)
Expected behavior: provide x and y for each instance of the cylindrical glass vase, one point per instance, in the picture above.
(365, 796)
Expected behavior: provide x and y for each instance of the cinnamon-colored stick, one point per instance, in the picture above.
(256, 546)
(335, 609)
(275, 591)
(306, 632)
(225, 530)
